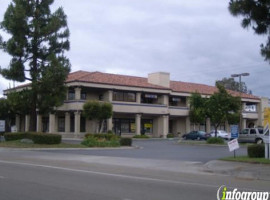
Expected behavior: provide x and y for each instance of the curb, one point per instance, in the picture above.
(60, 149)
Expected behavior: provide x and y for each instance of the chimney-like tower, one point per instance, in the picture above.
(159, 78)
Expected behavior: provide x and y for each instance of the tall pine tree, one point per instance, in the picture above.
(256, 14)
(39, 39)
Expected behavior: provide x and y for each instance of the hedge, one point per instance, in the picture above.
(141, 136)
(38, 138)
(125, 141)
(15, 136)
(215, 140)
(100, 142)
(256, 151)
(107, 136)
(170, 135)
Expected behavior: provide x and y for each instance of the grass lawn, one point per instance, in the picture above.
(247, 159)
(18, 144)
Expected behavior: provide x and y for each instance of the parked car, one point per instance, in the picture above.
(221, 134)
(251, 135)
(196, 135)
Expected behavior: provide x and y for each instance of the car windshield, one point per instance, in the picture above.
(201, 132)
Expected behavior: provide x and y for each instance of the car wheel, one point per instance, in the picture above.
(259, 141)
(184, 137)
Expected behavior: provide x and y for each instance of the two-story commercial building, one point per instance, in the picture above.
(154, 105)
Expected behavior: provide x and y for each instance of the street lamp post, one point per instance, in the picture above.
(240, 91)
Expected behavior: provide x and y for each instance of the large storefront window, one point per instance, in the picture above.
(124, 126)
(124, 96)
(61, 124)
(147, 126)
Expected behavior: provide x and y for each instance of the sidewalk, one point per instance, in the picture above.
(239, 169)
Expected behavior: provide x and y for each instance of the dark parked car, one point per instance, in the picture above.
(196, 135)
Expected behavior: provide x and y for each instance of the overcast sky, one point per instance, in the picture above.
(196, 41)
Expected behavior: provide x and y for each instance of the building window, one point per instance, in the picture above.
(61, 124)
(83, 124)
(83, 95)
(71, 94)
(124, 126)
(124, 96)
(149, 98)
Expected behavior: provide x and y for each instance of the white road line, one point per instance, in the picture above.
(110, 174)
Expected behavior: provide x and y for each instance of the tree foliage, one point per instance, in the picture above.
(256, 13)
(222, 106)
(197, 111)
(39, 39)
(95, 110)
(231, 84)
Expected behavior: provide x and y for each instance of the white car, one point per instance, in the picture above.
(221, 134)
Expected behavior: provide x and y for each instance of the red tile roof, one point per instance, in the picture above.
(111, 79)
(132, 81)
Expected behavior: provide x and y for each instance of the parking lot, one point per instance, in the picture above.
(163, 150)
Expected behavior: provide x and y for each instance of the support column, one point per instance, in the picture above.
(77, 126)
(165, 99)
(138, 97)
(244, 123)
(39, 123)
(109, 124)
(138, 124)
(110, 95)
(78, 93)
(27, 123)
(208, 125)
(187, 125)
(51, 123)
(17, 123)
(67, 122)
(165, 123)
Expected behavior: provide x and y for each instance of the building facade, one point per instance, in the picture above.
(153, 106)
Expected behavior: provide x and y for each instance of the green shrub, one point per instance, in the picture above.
(38, 138)
(45, 138)
(100, 142)
(170, 135)
(256, 151)
(15, 136)
(125, 141)
(107, 136)
(215, 140)
(109, 132)
(141, 136)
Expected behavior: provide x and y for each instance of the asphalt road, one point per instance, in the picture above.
(28, 181)
(166, 150)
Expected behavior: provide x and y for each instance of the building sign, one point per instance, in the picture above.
(150, 96)
(233, 145)
(148, 125)
(132, 127)
(250, 108)
(2, 125)
(234, 131)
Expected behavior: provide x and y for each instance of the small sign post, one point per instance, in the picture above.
(233, 145)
